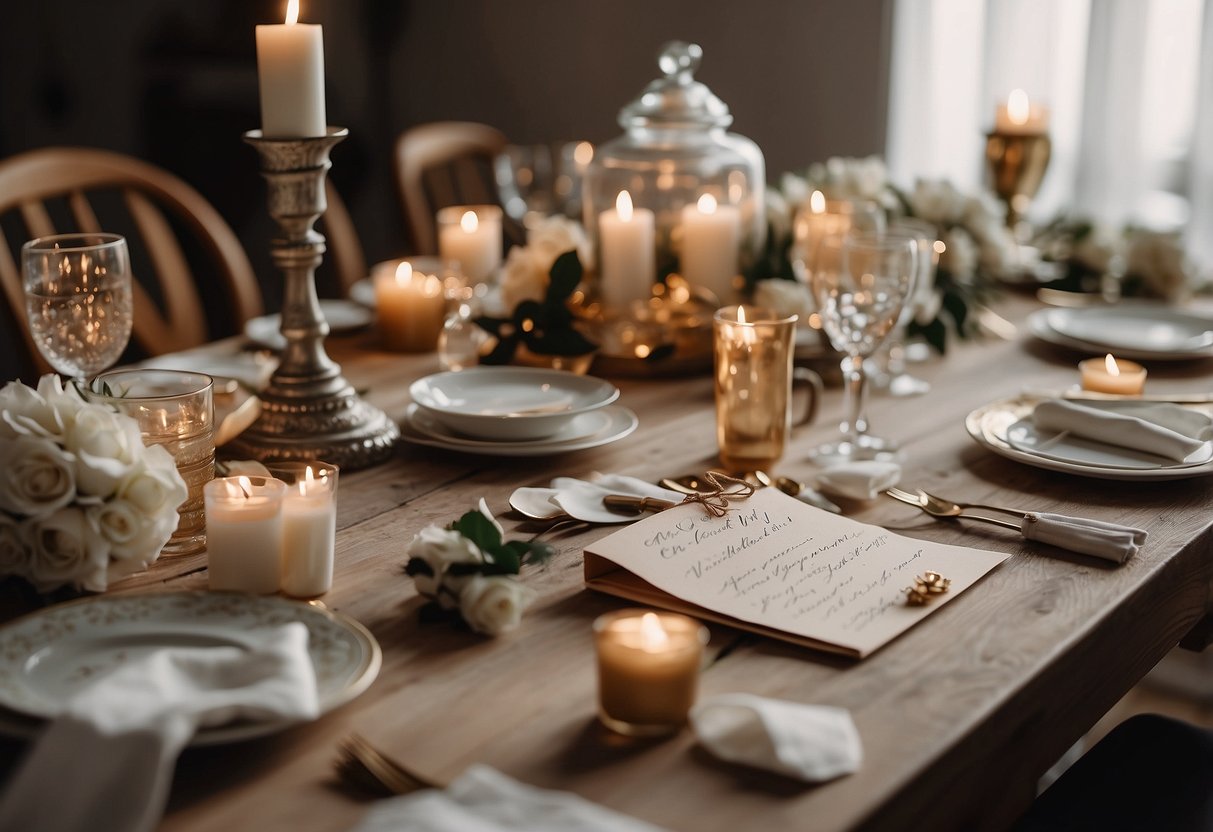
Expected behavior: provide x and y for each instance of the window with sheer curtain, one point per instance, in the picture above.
(1129, 86)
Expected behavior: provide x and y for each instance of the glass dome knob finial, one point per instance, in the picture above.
(680, 58)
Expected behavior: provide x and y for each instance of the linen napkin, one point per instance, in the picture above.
(862, 480)
(813, 743)
(107, 761)
(1087, 537)
(582, 499)
(483, 799)
(1162, 429)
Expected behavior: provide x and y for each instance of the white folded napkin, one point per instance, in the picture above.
(813, 743)
(1162, 429)
(1087, 537)
(583, 499)
(862, 480)
(485, 800)
(107, 761)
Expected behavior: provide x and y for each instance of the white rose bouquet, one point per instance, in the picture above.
(467, 568)
(82, 501)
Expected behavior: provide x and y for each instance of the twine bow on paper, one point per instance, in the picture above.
(723, 489)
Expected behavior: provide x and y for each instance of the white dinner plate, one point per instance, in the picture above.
(619, 422)
(510, 403)
(1025, 436)
(579, 427)
(1137, 331)
(47, 656)
(363, 292)
(341, 315)
(989, 426)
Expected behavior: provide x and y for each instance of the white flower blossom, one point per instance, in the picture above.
(494, 604)
(785, 298)
(66, 548)
(37, 477)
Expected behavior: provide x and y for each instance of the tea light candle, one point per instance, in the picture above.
(711, 240)
(1109, 375)
(471, 236)
(290, 71)
(629, 258)
(309, 528)
(244, 533)
(648, 670)
(1020, 116)
(410, 306)
(816, 221)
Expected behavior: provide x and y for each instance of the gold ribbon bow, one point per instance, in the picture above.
(926, 585)
(723, 489)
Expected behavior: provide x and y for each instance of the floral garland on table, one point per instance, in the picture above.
(978, 246)
(82, 501)
(468, 568)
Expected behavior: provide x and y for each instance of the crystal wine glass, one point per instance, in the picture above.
(78, 300)
(861, 282)
(890, 371)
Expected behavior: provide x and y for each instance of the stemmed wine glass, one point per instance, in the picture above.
(78, 300)
(861, 282)
(890, 371)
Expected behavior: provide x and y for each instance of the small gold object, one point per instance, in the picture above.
(926, 585)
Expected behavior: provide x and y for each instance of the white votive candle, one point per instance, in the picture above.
(628, 254)
(410, 306)
(711, 242)
(244, 534)
(309, 527)
(471, 236)
(290, 69)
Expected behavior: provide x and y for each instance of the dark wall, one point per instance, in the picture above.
(174, 82)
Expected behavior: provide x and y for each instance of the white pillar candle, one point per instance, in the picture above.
(244, 534)
(471, 236)
(290, 68)
(711, 243)
(1020, 116)
(411, 307)
(309, 530)
(628, 254)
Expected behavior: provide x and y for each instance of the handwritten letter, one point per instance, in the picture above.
(782, 565)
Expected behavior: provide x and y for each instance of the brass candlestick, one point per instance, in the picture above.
(309, 410)
(1017, 163)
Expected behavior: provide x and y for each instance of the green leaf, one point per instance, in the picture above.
(660, 353)
(955, 306)
(565, 275)
(503, 353)
(503, 561)
(935, 333)
(480, 530)
(417, 566)
(558, 342)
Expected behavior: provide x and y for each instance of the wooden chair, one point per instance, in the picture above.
(342, 241)
(153, 201)
(440, 164)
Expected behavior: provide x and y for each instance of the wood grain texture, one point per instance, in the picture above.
(958, 717)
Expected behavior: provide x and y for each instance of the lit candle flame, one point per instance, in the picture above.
(1018, 107)
(404, 273)
(1110, 363)
(583, 153)
(817, 202)
(469, 222)
(653, 636)
(707, 204)
(741, 315)
(246, 486)
(623, 205)
(292, 12)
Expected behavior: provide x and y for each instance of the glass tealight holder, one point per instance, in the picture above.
(471, 236)
(648, 670)
(309, 526)
(244, 546)
(174, 409)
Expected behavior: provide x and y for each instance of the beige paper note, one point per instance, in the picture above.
(778, 564)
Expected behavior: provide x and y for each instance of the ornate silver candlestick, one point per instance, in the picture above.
(309, 410)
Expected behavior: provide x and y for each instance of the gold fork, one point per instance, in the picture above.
(948, 510)
(365, 766)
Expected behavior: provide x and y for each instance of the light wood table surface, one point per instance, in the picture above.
(958, 717)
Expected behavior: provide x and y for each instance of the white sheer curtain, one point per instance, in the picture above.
(1129, 85)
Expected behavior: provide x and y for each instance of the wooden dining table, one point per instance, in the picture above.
(958, 717)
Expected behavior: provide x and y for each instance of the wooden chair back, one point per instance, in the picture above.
(440, 164)
(150, 197)
(344, 246)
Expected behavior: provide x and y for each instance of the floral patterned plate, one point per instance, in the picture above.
(47, 656)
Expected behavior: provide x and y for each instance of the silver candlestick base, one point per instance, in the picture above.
(309, 410)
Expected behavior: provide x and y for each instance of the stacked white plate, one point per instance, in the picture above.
(1144, 332)
(515, 411)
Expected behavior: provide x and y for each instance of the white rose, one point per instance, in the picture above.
(65, 548)
(870, 177)
(795, 188)
(37, 477)
(937, 201)
(493, 605)
(960, 255)
(107, 446)
(440, 548)
(1097, 249)
(155, 488)
(134, 537)
(14, 551)
(553, 236)
(785, 297)
(523, 277)
(44, 412)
